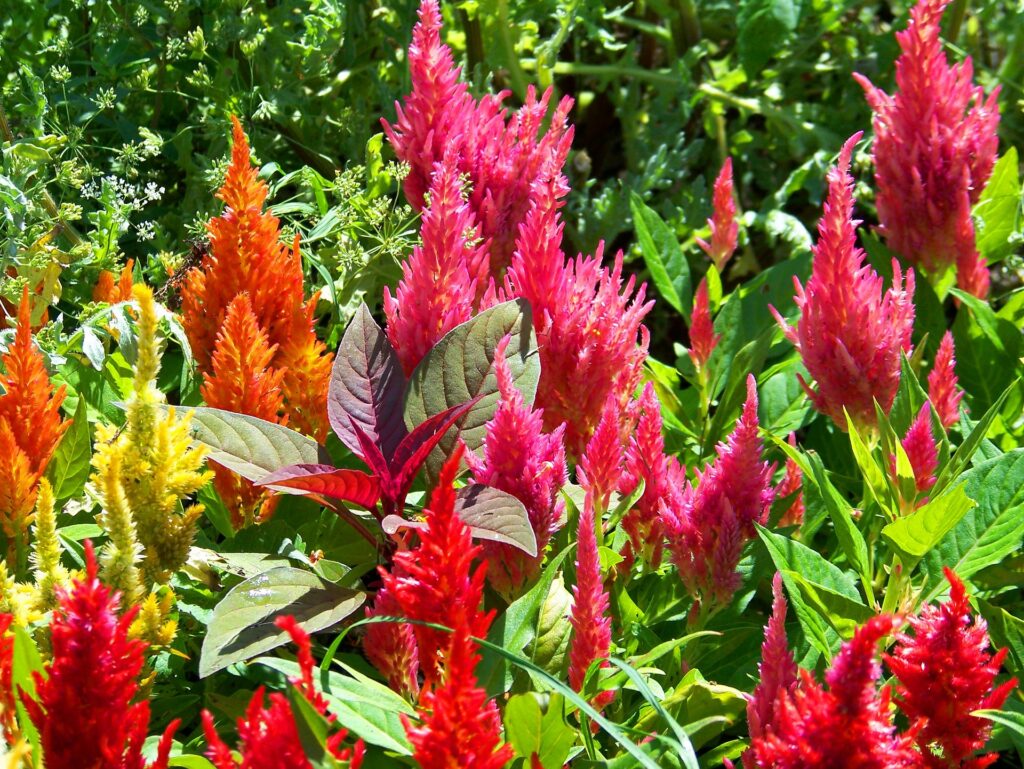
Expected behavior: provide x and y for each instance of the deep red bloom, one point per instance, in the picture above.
(84, 711)
(703, 338)
(946, 672)
(850, 335)
(935, 145)
(708, 526)
(591, 625)
(847, 726)
(724, 227)
(391, 646)
(439, 282)
(922, 450)
(943, 387)
(792, 483)
(501, 156)
(521, 460)
(7, 705)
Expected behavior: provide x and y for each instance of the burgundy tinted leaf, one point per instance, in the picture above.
(412, 452)
(367, 386)
(371, 455)
(345, 484)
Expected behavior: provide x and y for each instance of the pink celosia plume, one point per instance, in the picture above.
(724, 226)
(601, 469)
(935, 145)
(703, 338)
(922, 450)
(943, 386)
(792, 483)
(850, 334)
(391, 646)
(777, 669)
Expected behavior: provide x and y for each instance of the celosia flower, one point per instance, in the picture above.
(434, 581)
(589, 330)
(946, 672)
(7, 712)
(922, 451)
(438, 288)
(935, 145)
(591, 625)
(500, 158)
(391, 646)
(521, 460)
(777, 669)
(847, 726)
(247, 256)
(30, 426)
(792, 483)
(724, 227)
(48, 571)
(943, 388)
(85, 712)
(113, 290)
(601, 468)
(703, 338)
(708, 526)
(850, 336)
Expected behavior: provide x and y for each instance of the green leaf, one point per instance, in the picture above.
(25, 662)
(990, 531)
(997, 212)
(535, 729)
(850, 538)
(461, 367)
(1010, 719)
(251, 447)
(914, 535)
(765, 27)
(551, 644)
(69, 468)
(242, 624)
(842, 613)
(788, 554)
(670, 272)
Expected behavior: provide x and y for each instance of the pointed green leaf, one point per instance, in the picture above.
(913, 536)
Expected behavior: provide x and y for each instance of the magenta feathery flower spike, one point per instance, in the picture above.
(391, 646)
(502, 156)
(601, 467)
(708, 526)
(850, 335)
(591, 625)
(777, 668)
(922, 450)
(521, 460)
(434, 581)
(792, 483)
(724, 227)
(84, 712)
(935, 145)
(437, 291)
(946, 672)
(703, 338)
(847, 726)
(943, 386)
(646, 461)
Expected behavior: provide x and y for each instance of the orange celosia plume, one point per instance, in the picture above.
(112, 289)
(30, 426)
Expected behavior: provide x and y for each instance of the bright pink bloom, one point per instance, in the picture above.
(935, 145)
(725, 229)
(945, 673)
(708, 526)
(777, 668)
(588, 326)
(847, 726)
(849, 335)
(922, 450)
(501, 156)
(391, 646)
(943, 387)
(792, 483)
(591, 625)
(438, 289)
(521, 460)
(601, 468)
(703, 338)
(85, 712)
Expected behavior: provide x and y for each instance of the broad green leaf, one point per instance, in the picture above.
(914, 535)
(997, 212)
(25, 663)
(842, 613)
(531, 728)
(788, 554)
(551, 644)
(251, 447)
(461, 367)
(987, 352)
(1007, 631)
(242, 625)
(1012, 720)
(660, 249)
(839, 510)
(69, 468)
(872, 473)
(990, 531)
(765, 27)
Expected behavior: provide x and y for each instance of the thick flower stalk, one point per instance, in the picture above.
(724, 226)
(520, 459)
(84, 710)
(589, 323)
(439, 282)
(943, 386)
(30, 428)
(144, 472)
(246, 256)
(935, 145)
(945, 672)
(500, 156)
(708, 526)
(591, 626)
(850, 335)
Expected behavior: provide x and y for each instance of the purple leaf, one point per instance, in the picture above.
(345, 484)
(367, 387)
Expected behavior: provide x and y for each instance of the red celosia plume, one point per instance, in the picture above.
(792, 483)
(943, 387)
(7, 704)
(935, 145)
(703, 338)
(850, 335)
(724, 227)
